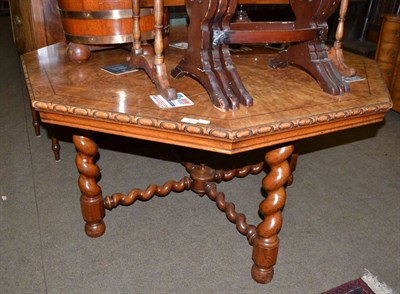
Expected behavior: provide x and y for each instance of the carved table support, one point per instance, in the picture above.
(312, 55)
(91, 199)
(208, 62)
(202, 181)
(266, 243)
(210, 32)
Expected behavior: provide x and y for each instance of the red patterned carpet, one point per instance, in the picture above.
(353, 287)
(367, 284)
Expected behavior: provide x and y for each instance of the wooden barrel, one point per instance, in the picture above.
(104, 22)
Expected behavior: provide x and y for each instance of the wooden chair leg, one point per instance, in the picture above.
(35, 121)
(55, 146)
(149, 58)
(292, 165)
(336, 52)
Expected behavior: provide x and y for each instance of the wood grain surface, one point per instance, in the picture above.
(288, 103)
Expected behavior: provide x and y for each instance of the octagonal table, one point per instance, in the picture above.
(288, 106)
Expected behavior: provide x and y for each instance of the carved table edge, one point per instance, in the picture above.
(218, 133)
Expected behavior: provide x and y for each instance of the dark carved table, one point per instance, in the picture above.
(288, 106)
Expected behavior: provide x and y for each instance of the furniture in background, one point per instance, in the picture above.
(363, 24)
(211, 32)
(97, 25)
(379, 9)
(289, 106)
(35, 23)
(4, 7)
(388, 56)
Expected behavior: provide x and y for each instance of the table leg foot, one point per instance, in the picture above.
(78, 52)
(312, 56)
(336, 56)
(92, 203)
(266, 243)
(260, 275)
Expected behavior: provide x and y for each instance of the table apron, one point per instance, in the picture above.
(209, 143)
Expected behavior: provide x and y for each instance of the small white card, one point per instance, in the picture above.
(181, 101)
(353, 79)
(195, 121)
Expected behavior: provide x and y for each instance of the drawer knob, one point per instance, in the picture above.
(17, 21)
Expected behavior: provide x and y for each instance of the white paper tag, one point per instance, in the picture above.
(194, 121)
(179, 45)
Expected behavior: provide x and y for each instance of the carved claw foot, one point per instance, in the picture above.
(336, 56)
(312, 56)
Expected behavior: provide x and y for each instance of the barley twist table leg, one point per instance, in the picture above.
(92, 204)
(265, 248)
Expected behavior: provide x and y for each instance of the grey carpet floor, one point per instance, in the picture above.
(341, 215)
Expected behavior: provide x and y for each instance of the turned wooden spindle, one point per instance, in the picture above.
(336, 52)
(91, 199)
(118, 198)
(266, 243)
(158, 32)
(136, 46)
(227, 175)
(229, 208)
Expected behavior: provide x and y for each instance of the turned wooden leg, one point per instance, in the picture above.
(55, 146)
(92, 204)
(35, 121)
(149, 58)
(266, 243)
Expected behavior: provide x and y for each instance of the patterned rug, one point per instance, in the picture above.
(367, 284)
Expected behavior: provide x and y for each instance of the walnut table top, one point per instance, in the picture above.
(288, 103)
